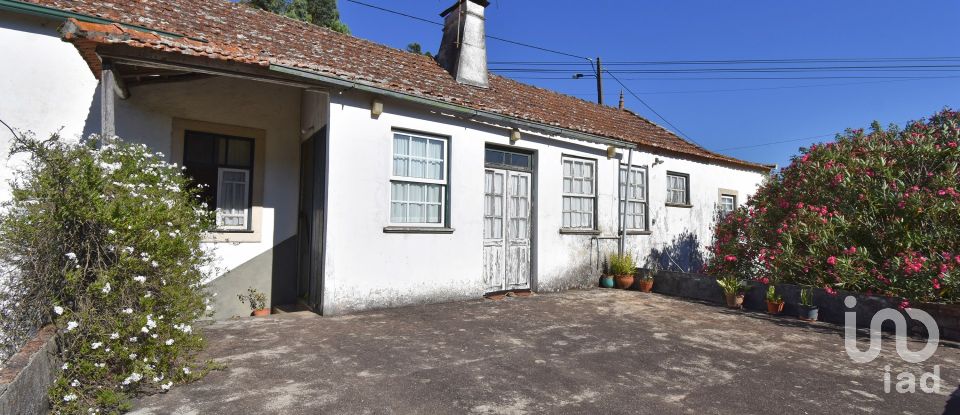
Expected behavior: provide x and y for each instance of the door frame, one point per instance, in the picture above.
(534, 198)
(316, 235)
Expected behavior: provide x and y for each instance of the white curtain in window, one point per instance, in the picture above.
(233, 191)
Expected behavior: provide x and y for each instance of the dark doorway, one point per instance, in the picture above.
(310, 222)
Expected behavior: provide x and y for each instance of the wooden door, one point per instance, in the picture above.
(506, 230)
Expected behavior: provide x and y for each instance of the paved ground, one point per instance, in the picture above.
(586, 352)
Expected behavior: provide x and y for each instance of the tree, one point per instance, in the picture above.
(416, 48)
(319, 12)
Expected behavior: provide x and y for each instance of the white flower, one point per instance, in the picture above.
(154, 264)
(114, 336)
(111, 232)
(100, 364)
(133, 356)
(144, 329)
(106, 288)
(166, 386)
(107, 350)
(153, 336)
(186, 370)
(70, 397)
(140, 278)
(169, 342)
(148, 294)
(128, 310)
(71, 256)
(134, 377)
(72, 325)
(96, 345)
(75, 383)
(58, 310)
(132, 339)
(128, 249)
(65, 366)
(150, 323)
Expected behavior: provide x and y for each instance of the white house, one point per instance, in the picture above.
(349, 175)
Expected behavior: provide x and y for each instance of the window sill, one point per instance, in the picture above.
(579, 231)
(416, 229)
(679, 205)
(638, 232)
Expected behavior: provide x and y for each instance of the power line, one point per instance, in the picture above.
(744, 61)
(776, 87)
(513, 42)
(770, 143)
(740, 78)
(653, 110)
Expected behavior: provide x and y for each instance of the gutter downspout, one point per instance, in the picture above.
(623, 211)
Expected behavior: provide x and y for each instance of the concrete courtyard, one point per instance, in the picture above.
(579, 352)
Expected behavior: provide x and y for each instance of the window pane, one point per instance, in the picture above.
(198, 148)
(418, 146)
(401, 144)
(494, 156)
(239, 152)
(519, 160)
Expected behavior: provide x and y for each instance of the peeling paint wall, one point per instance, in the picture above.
(367, 268)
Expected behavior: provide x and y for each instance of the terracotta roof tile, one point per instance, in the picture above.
(224, 30)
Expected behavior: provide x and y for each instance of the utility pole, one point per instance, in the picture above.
(599, 82)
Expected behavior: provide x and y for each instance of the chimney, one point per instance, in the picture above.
(463, 50)
(621, 100)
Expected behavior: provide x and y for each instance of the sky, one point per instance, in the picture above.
(738, 117)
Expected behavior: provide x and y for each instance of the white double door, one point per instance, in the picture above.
(506, 230)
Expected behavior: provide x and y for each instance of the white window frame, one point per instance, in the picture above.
(621, 190)
(670, 191)
(730, 195)
(444, 171)
(246, 199)
(590, 196)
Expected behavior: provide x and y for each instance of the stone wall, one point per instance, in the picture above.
(25, 378)
(704, 288)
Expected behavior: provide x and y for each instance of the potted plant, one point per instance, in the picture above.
(622, 267)
(774, 301)
(606, 279)
(733, 289)
(256, 300)
(647, 276)
(807, 311)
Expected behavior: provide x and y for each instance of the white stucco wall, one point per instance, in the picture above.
(45, 85)
(367, 268)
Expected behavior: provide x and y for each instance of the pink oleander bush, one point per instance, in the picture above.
(877, 213)
(105, 243)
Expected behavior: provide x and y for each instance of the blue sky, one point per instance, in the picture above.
(719, 114)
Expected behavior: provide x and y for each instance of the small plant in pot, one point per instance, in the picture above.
(647, 276)
(257, 302)
(774, 301)
(606, 280)
(622, 267)
(807, 311)
(733, 290)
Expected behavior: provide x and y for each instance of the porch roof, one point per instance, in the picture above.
(220, 30)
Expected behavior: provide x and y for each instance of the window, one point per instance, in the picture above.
(678, 189)
(579, 195)
(419, 183)
(633, 200)
(728, 203)
(225, 165)
(508, 159)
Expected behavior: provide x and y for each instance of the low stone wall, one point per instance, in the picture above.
(705, 288)
(25, 378)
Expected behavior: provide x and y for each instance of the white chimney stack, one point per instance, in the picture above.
(463, 50)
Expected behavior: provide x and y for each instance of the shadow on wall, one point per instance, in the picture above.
(683, 254)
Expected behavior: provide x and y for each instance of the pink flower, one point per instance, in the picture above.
(936, 284)
(830, 290)
(905, 304)
(765, 280)
(832, 260)
(730, 258)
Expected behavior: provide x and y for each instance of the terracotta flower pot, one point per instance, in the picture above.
(606, 281)
(261, 312)
(734, 300)
(774, 308)
(646, 285)
(624, 281)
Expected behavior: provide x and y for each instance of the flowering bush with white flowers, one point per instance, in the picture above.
(105, 243)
